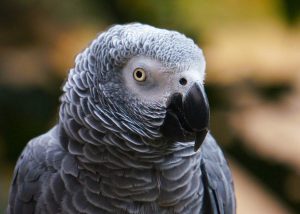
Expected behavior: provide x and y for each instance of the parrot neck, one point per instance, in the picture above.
(79, 141)
(83, 128)
(121, 169)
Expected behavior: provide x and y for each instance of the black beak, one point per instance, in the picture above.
(187, 116)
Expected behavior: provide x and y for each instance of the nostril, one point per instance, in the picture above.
(183, 81)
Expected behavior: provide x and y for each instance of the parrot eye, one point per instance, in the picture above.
(139, 74)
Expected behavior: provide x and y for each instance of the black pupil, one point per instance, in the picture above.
(139, 74)
(183, 81)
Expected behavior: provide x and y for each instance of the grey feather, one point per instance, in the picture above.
(107, 153)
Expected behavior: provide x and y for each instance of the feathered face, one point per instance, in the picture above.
(147, 81)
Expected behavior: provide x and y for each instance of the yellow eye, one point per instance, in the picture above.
(139, 74)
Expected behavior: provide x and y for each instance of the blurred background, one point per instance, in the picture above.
(253, 80)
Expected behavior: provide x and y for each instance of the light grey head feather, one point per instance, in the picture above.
(95, 95)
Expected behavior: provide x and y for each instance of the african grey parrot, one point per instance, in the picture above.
(132, 135)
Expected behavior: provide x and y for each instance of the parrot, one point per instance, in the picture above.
(132, 135)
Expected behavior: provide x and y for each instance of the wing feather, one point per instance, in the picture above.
(219, 191)
(29, 175)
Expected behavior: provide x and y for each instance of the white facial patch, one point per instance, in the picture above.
(160, 82)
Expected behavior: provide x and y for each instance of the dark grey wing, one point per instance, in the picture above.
(25, 187)
(219, 191)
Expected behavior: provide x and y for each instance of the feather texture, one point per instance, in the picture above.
(113, 185)
(106, 154)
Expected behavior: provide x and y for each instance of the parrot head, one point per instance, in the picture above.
(148, 82)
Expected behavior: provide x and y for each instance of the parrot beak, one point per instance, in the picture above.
(187, 116)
